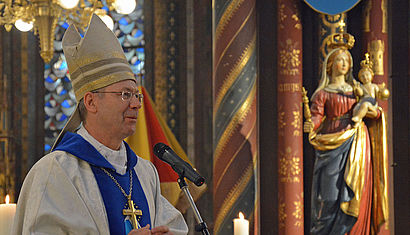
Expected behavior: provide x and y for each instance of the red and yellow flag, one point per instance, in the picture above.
(152, 129)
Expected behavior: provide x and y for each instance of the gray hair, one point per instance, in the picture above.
(83, 110)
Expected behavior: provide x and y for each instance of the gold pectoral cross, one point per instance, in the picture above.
(131, 211)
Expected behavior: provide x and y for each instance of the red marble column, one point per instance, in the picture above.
(290, 138)
(375, 42)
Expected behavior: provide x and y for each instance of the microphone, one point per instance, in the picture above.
(181, 167)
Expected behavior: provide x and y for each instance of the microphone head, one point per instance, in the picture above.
(181, 167)
(159, 149)
(199, 181)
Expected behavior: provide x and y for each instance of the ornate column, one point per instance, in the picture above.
(235, 170)
(290, 134)
(11, 117)
(5, 116)
(21, 108)
(375, 41)
(168, 79)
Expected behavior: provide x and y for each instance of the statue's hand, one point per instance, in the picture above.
(358, 91)
(308, 127)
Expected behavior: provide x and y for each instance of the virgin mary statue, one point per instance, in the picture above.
(349, 189)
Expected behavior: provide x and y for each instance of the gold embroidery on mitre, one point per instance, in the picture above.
(100, 83)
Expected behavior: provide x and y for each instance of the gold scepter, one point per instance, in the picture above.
(306, 109)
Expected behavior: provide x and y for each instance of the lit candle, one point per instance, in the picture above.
(241, 225)
(7, 212)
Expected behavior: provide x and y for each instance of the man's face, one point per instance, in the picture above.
(116, 115)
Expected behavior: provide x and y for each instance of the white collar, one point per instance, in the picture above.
(117, 158)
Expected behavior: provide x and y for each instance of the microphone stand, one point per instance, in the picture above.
(201, 226)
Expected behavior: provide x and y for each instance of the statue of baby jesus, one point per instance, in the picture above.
(368, 92)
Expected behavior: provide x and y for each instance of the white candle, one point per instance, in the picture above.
(241, 225)
(7, 212)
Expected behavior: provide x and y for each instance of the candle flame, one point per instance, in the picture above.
(241, 216)
(7, 199)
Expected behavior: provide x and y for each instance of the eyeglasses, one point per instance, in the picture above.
(125, 95)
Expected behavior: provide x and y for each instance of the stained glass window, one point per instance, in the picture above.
(59, 100)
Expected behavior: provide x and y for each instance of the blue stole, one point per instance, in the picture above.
(113, 198)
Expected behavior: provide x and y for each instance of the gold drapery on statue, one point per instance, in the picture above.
(380, 208)
(356, 162)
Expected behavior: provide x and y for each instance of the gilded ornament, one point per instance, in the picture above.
(289, 167)
(376, 49)
(289, 58)
(282, 215)
(44, 16)
(296, 121)
(298, 209)
(384, 93)
(281, 122)
(172, 123)
(298, 212)
(385, 15)
(366, 13)
(330, 25)
(289, 87)
(296, 18)
(282, 15)
(172, 36)
(340, 40)
(331, 21)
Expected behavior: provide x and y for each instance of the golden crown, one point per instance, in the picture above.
(366, 63)
(341, 39)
